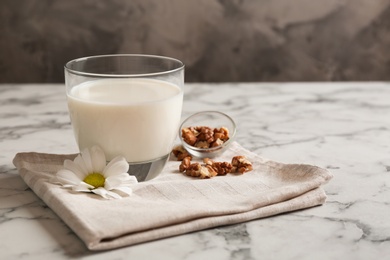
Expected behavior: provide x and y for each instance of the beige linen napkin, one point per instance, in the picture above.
(174, 204)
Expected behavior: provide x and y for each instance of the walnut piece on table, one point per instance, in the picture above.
(210, 168)
(200, 171)
(180, 152)
(241, 164)
(222, 168)
(185, 164)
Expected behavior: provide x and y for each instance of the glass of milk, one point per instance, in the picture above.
(129, 105)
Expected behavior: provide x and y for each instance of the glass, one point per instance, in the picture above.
(129, 105)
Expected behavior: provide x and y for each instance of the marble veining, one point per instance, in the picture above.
(344, 127)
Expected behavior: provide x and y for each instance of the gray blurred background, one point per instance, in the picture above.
(218, 40)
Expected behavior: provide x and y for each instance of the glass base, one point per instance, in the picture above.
(148, 170)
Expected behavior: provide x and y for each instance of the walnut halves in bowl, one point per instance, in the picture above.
(204, 136)
(207, 134)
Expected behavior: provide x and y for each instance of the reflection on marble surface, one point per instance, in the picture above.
(218, 40)
(341, 127)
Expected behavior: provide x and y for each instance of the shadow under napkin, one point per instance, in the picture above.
(174, 204)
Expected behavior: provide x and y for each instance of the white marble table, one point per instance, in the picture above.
(344, 127)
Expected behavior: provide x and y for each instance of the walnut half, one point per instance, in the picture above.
(222, 168)
(185, 164)
(180, 152)
(200, 171)
(241, 164)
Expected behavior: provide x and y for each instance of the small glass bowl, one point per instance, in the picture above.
(212, 119)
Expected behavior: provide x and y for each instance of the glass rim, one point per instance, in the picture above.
(68, 68)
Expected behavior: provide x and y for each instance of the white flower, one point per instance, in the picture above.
(89, 173)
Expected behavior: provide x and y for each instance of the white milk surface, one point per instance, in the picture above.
(135, 118)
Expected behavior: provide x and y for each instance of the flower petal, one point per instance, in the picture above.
(113, 195)
(67, 177)
(121, 180)
(126, 190)
(80, 162)
(75, 168)
(105, 193)
(112, 183)
(98, 159)
(101, 192)
(83, 187)
(86, 155)
(130, 180)
(116, 166)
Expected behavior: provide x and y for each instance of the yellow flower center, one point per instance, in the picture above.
(95, 179)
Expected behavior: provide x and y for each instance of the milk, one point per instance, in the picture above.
(135, 118)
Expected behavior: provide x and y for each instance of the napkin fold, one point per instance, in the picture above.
(174, 204)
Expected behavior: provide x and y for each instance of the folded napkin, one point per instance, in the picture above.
(173, 203)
